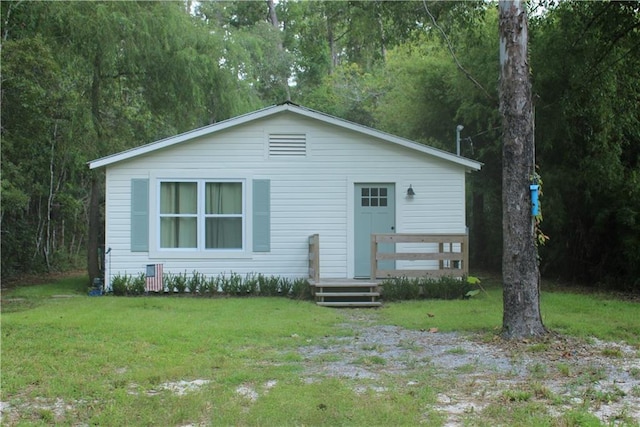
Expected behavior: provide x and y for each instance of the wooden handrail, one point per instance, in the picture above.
(450, 262)
(314, 258)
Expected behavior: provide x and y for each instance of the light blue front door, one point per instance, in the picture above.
(375, 212)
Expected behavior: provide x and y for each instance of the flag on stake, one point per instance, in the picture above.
(154, 278)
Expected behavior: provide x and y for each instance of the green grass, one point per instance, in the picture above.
(108, 358)
(581, 315)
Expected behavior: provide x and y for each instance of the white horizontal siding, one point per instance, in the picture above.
(308, 194)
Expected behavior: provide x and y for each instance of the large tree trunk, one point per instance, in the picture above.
(520, 274)
(95, 227)
(478, 229)
(95, 230)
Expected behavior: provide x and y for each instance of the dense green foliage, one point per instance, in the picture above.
(199, 285)
(407, 288)
(83, 80)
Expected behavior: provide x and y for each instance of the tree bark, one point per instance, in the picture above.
(520, 274)
(273, 17)
(478, 229)
(94, 232)
(95, 228)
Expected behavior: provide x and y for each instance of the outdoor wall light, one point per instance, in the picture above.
(410, 192)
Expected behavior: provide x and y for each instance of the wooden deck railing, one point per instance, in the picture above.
(314, 258)
(452, 254)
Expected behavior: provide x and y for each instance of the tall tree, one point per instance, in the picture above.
(520, 275)
(82, 80)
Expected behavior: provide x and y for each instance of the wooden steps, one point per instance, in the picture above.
(350, 304)
(346, 293)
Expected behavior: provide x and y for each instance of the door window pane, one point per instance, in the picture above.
(374, 196)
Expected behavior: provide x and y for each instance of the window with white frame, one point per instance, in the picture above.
(201, 215)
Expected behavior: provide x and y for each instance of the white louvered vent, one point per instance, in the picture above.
(287, 145)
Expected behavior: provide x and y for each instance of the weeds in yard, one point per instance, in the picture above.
(372, 347)
(517, 395)
(467, 368)
(540, 391)
(538, 370)
(612, 352)
(599, 397)
(409, 345)
(457, 350)
(538, 347)
(371, 360)
(564, 369)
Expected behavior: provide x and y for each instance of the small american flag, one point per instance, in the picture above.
(154, 278)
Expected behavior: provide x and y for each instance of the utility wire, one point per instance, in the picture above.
(455, 58)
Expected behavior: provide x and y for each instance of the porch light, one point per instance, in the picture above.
(410, 192)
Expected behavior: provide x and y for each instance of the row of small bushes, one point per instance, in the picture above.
(197, 284)
(445, 287)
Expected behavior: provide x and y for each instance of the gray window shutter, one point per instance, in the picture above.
(261, 215)
(139, 215)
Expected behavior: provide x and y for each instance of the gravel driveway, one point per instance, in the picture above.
(568, 373)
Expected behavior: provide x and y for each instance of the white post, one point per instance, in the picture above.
(458, 130)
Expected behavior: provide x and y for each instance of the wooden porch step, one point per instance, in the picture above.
(344, 285)
(347, 294)
(350, 304)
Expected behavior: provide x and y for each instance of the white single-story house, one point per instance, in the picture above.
(244, 195)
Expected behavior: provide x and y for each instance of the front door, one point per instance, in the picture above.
(375, 212)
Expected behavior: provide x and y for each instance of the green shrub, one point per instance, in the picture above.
(249, 286)
(401, 288)
(284, 286)
(445, 287)
(268, 286)
(180, 283)
(196, 283)
(300, 289)
(231, 285)
(209, 287)
(120, 284)
(136, 285)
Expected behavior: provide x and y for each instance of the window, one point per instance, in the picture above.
(206, 215)
(373, 196)
(223, 213)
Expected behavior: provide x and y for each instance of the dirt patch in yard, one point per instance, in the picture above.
(561, 373)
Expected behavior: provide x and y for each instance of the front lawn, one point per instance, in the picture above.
(76, 360)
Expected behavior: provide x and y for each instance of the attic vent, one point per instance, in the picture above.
(287, 144)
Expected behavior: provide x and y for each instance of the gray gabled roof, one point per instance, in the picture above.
(269, 111)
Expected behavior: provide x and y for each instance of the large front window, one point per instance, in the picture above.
(201, 215)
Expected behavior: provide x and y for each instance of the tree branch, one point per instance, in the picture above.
(455, 58)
